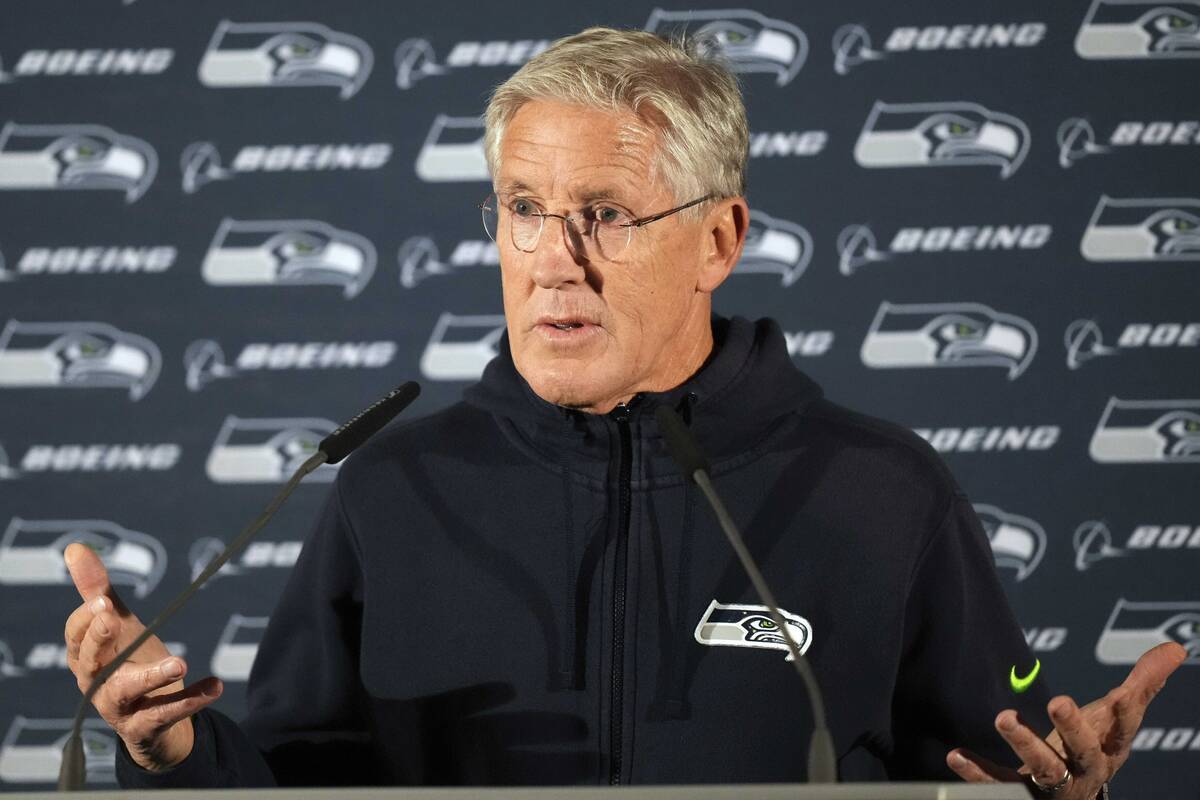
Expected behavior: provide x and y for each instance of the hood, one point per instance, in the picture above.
(744, 387)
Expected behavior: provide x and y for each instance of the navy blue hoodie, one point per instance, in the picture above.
(510, 592)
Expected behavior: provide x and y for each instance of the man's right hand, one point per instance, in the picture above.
(144, 701)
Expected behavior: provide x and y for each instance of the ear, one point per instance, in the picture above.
(724, 237)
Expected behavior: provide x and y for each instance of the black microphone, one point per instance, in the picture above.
(332, 449)
(822, 759)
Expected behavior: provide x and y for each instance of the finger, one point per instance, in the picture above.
(87, 570)
(98, 646)
(1080, 741)
(1039, 758)
(974, 768)
(78, 622)
(158, 712)
(1127, 718)
(1151, 671)
(126, 689)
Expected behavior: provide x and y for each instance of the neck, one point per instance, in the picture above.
(694, 345)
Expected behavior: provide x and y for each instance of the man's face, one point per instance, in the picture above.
(587, 332)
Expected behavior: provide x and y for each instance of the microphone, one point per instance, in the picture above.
(822, 759)
(332, 449)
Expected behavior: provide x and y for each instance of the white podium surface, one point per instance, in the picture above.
(767, 791)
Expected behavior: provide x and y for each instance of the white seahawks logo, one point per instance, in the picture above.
(1140, 29)
(1147, 431)
(237, 646)
(75, 157)
(1143, 229)
(76, 355)
(267, 450)
(293, 252)
(948, 134)
(461, 346)
(31, 553)
(32, 750)
(948, 335)
(747, 40)
(738, 625)
(285, 54)
(1018, 542)
(453, 151)
(1133, 628)
(775, 247)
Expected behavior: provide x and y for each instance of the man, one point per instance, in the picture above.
(523, 589)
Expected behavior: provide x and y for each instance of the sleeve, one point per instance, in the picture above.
(306, 723)
(960, 641)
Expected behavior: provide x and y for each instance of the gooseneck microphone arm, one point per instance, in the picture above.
(332, 449)
(822, 758)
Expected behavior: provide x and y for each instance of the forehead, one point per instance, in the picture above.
(561, 150)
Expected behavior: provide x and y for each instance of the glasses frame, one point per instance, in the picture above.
(637, 223)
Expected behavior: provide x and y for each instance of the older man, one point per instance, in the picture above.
(522, 588)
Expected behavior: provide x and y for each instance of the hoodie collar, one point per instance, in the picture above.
(745, 386)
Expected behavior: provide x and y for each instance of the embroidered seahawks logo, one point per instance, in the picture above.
(751, 626)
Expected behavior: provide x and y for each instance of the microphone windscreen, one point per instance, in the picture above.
(363, 426)
(680, 441)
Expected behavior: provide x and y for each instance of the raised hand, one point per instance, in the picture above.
(1087, 746)
(145, 700)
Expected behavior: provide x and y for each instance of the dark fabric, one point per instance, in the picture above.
(508, 592)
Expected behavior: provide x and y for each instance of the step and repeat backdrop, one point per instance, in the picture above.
(226, 227)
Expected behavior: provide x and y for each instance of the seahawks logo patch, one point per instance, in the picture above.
(751, 626)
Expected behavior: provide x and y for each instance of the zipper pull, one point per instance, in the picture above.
(620, 413)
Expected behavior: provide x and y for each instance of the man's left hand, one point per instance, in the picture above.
(1087, 746)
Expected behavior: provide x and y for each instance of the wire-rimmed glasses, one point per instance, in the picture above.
(605, 227)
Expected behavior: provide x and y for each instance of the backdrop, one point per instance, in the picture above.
(226, 227)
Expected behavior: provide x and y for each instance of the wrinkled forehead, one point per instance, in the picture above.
(577, 153)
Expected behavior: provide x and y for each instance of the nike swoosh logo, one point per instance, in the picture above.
(1021, 684)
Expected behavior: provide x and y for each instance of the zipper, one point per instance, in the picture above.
(620, 415)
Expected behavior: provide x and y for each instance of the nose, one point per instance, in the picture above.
(560, 257)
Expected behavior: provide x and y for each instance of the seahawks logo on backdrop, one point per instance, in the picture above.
(296, 252)
(747, 40)
(1018, 543)
(285, 54)
(453, 151)
(1140, 29)
(238, 645)
(31, 553)
(736, 625)
(32, 750)
(78, 355)
(75, 157)
(1133, 628)
(949, 134)
(268, 450)
(461, 346)
(1147, 431)
(1143, 229)
(776, 247)
(948, 335)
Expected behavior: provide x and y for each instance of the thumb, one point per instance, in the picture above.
(87, 571)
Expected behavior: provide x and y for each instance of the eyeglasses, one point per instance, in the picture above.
(606, 228)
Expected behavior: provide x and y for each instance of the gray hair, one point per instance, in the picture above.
(692, 100)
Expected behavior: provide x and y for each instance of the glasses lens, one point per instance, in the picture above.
(611, 240)
(490, 217)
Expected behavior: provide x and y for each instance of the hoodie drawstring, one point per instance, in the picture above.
(568, 669)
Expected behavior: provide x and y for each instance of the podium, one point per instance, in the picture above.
(741, 791)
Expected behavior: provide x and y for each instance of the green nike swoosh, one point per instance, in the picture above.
(1021, 684)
